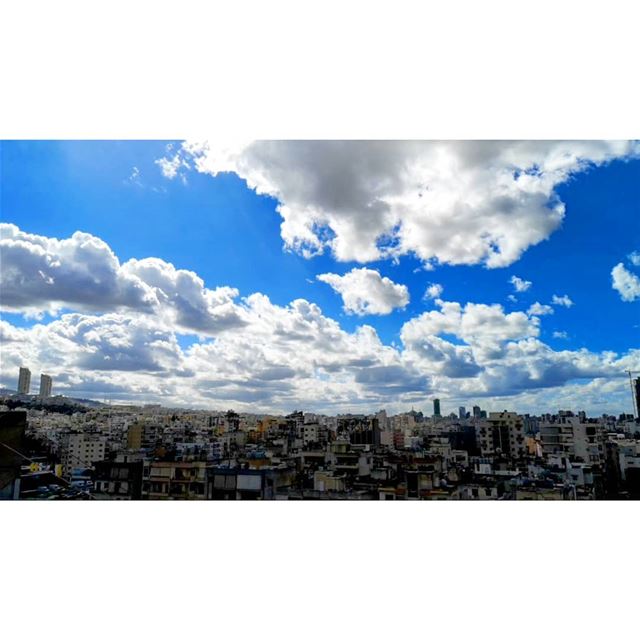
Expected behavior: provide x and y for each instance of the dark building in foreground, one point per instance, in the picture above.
(247, 484)
(12, 430)
(118, 480)
(464, 438)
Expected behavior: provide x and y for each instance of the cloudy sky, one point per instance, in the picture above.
(328, 276)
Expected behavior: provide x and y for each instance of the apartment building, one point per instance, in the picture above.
(502, 433)
(568, 436)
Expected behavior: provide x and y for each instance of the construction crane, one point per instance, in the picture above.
(635, 393)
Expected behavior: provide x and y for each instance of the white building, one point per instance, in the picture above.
(569, 436)
(45, 385)
(80, 450)
(629, 454)
(24, 380)
(309, 433)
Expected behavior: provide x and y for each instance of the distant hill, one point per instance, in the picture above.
(58, 404)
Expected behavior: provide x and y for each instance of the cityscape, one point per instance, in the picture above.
(266, 265)
(320, 320)
(54, 447)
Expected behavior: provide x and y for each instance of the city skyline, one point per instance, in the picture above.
(376, 264)
(46, 382)
(336, 276)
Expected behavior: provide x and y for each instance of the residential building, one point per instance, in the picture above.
(79, 450)
(248, 484)
(135, 432)
(502, 433)
(24, 380)
(118, 480)
(45, 385)
(170, 480)
(577, 441)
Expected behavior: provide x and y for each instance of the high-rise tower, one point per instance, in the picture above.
(45, 385)
(24, 380)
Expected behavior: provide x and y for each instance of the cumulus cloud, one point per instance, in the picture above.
(481, 350)
(627, 284)
(83, 273)
(519, 284)
(537, 309)
(183, 292)
(560, 334)
(486, 326)
(434, 291)
(634, 258)
(291, 356)
(562, 301)
(365, 291)
(81, 344)
(262, 356)
(41, 274)
(282, 357)
(473, 202)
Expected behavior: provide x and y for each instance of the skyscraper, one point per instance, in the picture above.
(636, 391)
(24, 380)
(462, 413)
(436, 407)
(477, 411)
(45, 385)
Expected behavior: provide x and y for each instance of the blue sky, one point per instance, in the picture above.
(219, 228)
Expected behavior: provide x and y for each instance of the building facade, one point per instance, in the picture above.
(80, 450)
(45, 385)
(502, 433)
(24, 380)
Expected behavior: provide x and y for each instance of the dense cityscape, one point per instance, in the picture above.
(54, 447)
(322, 257)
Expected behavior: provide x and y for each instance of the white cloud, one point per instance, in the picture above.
(294, 356)
(560, 334)
(134, 178)
(537, 309)
(173, 167)
(82, 273)
(519, 284)
(41, 274)
(184, 295)
(434, 291)
(512, 298)
(562, 301)
(496, 353)
(264, 357)
(634, 258)
(476, 324)
(451, 202)
(365, 291)
(625, 283)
